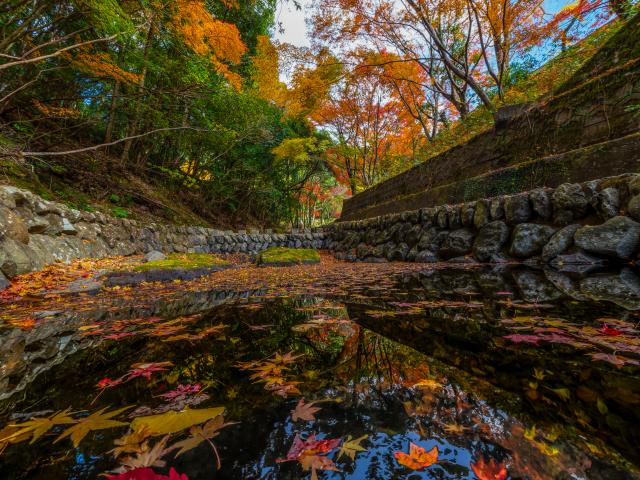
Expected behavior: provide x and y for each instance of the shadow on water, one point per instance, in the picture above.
(510, 373)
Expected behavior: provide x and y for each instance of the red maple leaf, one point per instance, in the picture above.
(310, 446)
(607, 330)
(182, 391)
(147, 474)
(146, 369)
(490, 470)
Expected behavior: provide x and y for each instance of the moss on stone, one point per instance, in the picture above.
(284, 256)
(182, 261)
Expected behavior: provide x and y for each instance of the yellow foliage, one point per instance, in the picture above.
(56, 112)
(100, 65)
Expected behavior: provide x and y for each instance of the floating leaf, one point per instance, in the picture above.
(317, 462)
(350, 447)
(96, 421)
(172, 422)
(201, 434)
(417, 458)
(131, 441)
(490, 470)
(36, 427)
(148, 457)
(146, 474)
(304, 411)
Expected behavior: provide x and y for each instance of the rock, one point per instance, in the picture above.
(14, 258)
(534, 287)
(467, 213)
(413, 235)
(12, 226)
(577, 263)
(4, 282)
(454, 216)
(565, 284)
(426, 256)
(633, 208)
(634, 185)
(618, 237)
(569, 203)
(541, 203)
(459, 242)
(496, 208)
(517, 209)
(399, 253)
(607, 203)
(528, 239)
(67, 227)
(559, 242)
(490, 240)
(37, 225)
(620, 288)
(481, 215)
(154, 256)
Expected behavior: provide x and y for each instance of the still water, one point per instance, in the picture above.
(496, 374)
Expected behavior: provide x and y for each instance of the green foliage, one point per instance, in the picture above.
(120, 212)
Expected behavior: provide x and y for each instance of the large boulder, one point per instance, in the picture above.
(490, 240)
(14, 258)
(569, 203)
(154, 256)
(12, 226)
(529, 238)
(459, 242)
(517, 209)
(618, 237)
(559, 242)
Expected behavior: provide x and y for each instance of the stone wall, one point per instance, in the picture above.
(35, 232)
(577, 223)
(588, 126)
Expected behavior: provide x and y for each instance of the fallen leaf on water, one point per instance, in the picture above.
(146, 474)
(417, 458)
(201, 434)
(131, 441)
(310, 446)
(317, 462)
(490, 470)
(148, 457)
(96, 421)
(36, 427)
(351, 447)
(304, 411)
(172, 422)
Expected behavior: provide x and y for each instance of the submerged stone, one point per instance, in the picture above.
(620, 288)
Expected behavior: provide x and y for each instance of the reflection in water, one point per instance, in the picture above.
(432, 361)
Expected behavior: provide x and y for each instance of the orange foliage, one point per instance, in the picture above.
(100, 64)
(209, 37)
(56, 112)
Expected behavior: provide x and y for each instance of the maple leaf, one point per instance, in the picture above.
(454, 429)
(36, 427)
(316, 462)
(351, 447)
(146, 369)
(182, 391)
(171, 422)
(310, 446)
(417, 458)
(148, 457)
(131, 441)
(201, 434)
(490, 470)
(146, 474)
(106, 382)
(96, 421)
(607, 330)
(304, 411)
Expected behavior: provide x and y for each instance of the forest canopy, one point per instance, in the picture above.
(197, 96)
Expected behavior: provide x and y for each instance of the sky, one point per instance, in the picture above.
(295, 29)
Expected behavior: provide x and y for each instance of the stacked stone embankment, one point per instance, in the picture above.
(578, 223)
(35, 232)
